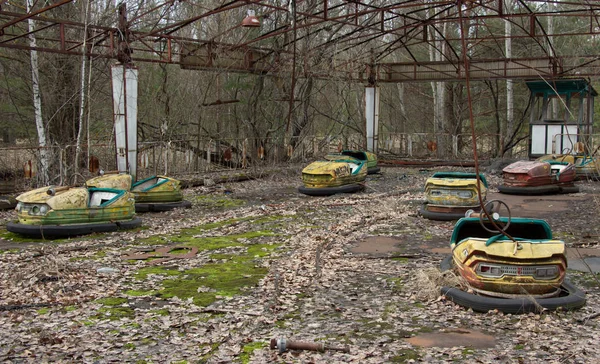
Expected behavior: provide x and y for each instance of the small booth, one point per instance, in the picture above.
(562, 116)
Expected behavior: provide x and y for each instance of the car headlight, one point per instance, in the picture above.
(436, 193)
(546, 272)
(35, 209)
(489, 270)
(464, 194)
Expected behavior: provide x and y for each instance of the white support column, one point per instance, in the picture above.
(125, 91)
(372, 117)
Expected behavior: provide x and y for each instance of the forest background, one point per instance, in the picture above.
(286, 115)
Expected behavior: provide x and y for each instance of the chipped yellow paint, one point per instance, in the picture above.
(71, 206)
(333, 173)
(155, 189)
(121, 181)
(451, 185)
(164, 189)
(469, 253)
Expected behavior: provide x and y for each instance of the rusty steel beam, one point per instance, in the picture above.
(514, 68)
(32, 14)
(409, 20)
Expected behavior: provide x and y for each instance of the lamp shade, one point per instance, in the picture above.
(251, 21)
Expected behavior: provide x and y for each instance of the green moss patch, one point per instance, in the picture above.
(144, 272)
(248, 349)
(160, 312)
(227, 275)
(405, 356)
(188, 237)
(223, 279)
(112, 301)
(114, 313)
(210, 350)
(136, 293)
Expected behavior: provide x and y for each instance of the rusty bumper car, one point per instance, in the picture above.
(326, 178)
(55, 212)
(450, 194)
(521, 269)
(538, 178)
(156, 193)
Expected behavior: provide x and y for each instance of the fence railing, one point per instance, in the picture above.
(180, 157)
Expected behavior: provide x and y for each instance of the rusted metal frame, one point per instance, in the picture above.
(32, 14)
(47, 20)
(373, 37)
(404, 45)
(339, 39)
(386, 69)
(286, 28)
(330, 19)
(168, 2)
(495, 38)
(509, 17)
(61, 40)
(548, 40)
(504, 74)
(297, 39)
(103, 35)
(178, 25)
(89, 40)
(501, 37)
(425, 66)
(88, 54)
(430, 21)
(154, 51)
(583, 12)
(375, 7)
(391, 64)
(29, 33)
(596, 59)
(238, 26)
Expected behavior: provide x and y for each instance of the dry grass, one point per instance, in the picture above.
(429, 281)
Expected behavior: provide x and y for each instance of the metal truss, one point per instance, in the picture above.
(369, 41)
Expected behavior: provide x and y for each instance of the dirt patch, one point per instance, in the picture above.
(537, 206)
(452, 338)
(377, 245)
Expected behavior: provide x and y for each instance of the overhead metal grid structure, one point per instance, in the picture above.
(367, 41)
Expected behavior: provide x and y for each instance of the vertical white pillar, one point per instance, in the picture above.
(125, 91)
(372, 117)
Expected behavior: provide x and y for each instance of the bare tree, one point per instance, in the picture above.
(37, 101)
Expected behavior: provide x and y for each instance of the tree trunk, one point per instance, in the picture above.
(37, 102)
(82, 90)
(439, 96)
